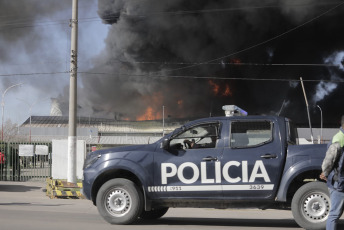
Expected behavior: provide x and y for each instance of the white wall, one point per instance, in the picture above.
(60, 158)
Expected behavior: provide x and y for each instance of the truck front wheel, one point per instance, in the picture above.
(311, 205)
(119, 201)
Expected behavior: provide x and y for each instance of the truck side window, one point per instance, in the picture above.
(196, 137)
(250, 133)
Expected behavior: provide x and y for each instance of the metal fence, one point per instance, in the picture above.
(19, 165)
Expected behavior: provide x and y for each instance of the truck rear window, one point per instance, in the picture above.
(250, 133)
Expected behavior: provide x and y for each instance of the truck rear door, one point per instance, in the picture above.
(251, 163)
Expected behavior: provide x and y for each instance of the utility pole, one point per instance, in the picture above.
(72, 139)
(307, 106)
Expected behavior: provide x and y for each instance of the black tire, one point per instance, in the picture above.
(311, 205)
(153, 214)
(119, 201)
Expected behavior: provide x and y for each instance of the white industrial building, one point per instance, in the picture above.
(104, 132)
(97, 131)
(110, 132)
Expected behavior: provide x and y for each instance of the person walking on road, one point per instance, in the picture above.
(330, 166)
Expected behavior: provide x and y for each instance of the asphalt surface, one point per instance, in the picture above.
(24, 205)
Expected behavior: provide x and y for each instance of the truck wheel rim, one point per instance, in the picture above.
(316, 207)
(118, 202)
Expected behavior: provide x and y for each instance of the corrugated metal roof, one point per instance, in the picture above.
(104, 140)
(104, 125)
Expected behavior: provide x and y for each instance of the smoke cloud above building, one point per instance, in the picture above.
(195, 56)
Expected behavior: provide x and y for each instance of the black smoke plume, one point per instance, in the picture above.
(169, 53)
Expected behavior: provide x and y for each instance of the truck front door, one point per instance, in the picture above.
(190, 168)
(251, 163)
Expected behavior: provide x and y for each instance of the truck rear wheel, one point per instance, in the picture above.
(119, 201)
(311, 205)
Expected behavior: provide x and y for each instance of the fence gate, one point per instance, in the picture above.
(25, 161)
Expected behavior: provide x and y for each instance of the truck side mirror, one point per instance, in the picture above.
(165, 144)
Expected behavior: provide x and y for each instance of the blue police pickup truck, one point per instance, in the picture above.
(229, 162)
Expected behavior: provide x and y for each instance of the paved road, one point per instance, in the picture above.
(24, 206)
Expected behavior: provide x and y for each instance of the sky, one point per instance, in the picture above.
(35, 39)
(137, 57)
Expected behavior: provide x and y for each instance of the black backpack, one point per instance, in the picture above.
(337, 174)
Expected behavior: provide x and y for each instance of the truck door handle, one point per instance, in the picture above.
(269, 156)
(209, 158)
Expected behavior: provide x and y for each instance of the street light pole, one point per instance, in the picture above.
(30, 110)
(3, 108)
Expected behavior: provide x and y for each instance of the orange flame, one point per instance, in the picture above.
(216, 87)
(148, 115)
(227, 91)
(220, 90)
(235, 61)
(154, 109)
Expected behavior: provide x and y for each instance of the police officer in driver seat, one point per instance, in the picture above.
(193, 145)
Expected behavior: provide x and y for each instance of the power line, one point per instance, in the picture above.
(226, 9)
(23, 25)
(32, 74)
(234, 63)
(214, 78)
(29, 23)
(174, 76)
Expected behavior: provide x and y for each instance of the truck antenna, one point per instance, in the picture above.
(281, 108)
